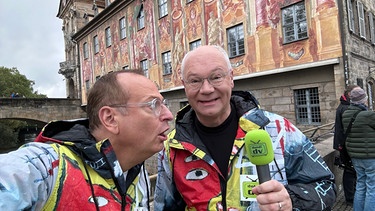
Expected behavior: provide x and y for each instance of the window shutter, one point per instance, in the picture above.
(350, 15)
(361, 18)
(372, 28)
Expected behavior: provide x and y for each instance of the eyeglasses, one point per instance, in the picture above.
(215, 79)
(155, 105)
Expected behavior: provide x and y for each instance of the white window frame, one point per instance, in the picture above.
(163, 8)
(96, 44)
(236, 41)
(108, 37)
(122, 28)
(372, 27)
(87, 86)
(141, 18)
(296, 25)
(85, 50)
(350, 15)
(144, 67)
(361, 20)
(195, 44)
(167, 63)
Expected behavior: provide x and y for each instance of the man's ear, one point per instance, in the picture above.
(107, 117)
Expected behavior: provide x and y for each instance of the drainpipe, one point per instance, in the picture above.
(343, 41)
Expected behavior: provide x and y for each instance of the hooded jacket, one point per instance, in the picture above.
(189, 179)
(68, 169)
(361, 139)
(339, 136)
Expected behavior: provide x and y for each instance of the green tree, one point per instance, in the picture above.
(8, 137)
(12, 81)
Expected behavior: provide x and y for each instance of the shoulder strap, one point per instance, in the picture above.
(351, 123)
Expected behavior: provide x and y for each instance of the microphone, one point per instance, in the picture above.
(259, 148)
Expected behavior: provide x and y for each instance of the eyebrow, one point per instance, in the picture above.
(212, 72)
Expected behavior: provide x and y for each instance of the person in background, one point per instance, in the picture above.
(94, 163)
(360, 144)
(205, 164)
(349, 176)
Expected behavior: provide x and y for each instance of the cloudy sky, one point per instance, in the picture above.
(32, 41)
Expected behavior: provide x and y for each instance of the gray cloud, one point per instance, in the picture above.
(32, 41)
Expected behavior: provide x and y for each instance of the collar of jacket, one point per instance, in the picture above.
(100, 156)
(246, 106)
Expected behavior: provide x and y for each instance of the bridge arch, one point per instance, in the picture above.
(41, 110)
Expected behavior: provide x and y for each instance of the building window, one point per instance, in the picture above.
(167, 66)
(294, 22)
(96, 44)
(360, 82)
(85, 51)
(141, 18)
(307, 106)
(350, 15)
(87, 84)
(195, 44)
(163, 8)
(122, 28)
(371, 18)
(361, 18)
(108, 37)
(236, 44)
(144, 66)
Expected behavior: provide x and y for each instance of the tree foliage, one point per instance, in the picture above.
(8, 137)
(12, 81)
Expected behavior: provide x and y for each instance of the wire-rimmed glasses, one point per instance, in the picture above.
(215, 79)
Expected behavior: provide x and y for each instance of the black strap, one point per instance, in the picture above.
(351, 123)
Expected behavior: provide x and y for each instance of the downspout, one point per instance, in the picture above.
(78, 68)
(343, 41)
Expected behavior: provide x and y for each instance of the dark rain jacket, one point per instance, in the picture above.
(361, 139)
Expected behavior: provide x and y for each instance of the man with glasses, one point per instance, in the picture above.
(94, 163)
(205, 164)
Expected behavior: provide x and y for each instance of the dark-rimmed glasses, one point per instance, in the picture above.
(155, 105)
(215, 79)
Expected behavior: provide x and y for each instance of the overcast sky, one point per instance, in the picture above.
(31, 40)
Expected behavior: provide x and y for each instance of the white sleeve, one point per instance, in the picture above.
(27, 177)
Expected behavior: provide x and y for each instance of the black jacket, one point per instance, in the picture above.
(339, 137)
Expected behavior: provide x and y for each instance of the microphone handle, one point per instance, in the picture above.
(263, 173)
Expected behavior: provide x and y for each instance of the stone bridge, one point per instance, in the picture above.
(39, 111)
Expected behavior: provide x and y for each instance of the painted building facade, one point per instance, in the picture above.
(296, 56)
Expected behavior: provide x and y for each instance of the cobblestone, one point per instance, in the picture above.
(340, 204)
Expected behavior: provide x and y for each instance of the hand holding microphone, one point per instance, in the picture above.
(260, 151)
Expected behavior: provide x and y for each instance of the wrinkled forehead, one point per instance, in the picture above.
(138, 87)
(205, 62)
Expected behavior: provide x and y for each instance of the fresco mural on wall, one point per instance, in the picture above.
(165, 31)
(193, 20)
(178, 43)
(213, 23)
(115, 46)
(208, 21)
